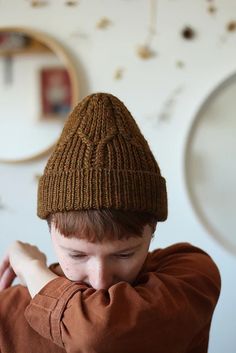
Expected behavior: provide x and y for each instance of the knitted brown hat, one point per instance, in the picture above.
(102, 160)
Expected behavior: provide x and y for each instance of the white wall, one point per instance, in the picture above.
(145, 89)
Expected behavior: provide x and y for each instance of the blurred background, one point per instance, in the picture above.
(173, 64)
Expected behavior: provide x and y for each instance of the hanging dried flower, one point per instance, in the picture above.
(118, 75)
(38, 3)
(231, 26)
(145, 52)
(103, 23)
(71, 2)
(212, 9)
(168, 106)
(188, 33)
(180, 64)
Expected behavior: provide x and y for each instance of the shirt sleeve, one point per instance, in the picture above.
(168, 309)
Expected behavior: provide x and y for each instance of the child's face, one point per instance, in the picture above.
(100, 265)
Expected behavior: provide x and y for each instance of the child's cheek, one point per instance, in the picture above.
(71, 273)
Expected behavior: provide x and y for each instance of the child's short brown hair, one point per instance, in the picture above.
(102, 224)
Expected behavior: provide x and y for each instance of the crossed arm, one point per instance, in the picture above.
(170, 307)
(29, 264)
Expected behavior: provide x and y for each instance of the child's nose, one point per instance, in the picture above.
(100, 277)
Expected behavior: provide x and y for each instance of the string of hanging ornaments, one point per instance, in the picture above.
(41, 3)
(145, 50)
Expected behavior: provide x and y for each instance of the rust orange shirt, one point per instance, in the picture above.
(167, 310)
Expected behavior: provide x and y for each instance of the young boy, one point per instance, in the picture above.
(102, 195)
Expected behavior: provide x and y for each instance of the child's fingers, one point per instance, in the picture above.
(4, 265)
(7, 278)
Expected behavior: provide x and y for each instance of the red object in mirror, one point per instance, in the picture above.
(56, 92)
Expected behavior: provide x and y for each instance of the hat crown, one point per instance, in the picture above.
(104, 135)
(99, 116)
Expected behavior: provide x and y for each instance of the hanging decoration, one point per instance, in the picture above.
(188, 33)
(41, 3)
(180, 64)
(231, 26)
(145, 51)
(118, 75)
(211, 9)
(38, 3)
(71, 2)
(103, 23)
(169, 104)
(167, 108)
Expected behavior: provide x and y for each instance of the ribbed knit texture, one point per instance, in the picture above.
(102, 160)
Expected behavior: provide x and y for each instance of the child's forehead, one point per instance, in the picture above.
(108, 245)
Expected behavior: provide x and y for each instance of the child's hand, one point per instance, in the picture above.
(17, 261)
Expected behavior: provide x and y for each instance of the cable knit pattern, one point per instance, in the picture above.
(102, 160)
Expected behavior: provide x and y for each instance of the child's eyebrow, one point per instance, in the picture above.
(128, 249)
(116, 252)
(69, 249)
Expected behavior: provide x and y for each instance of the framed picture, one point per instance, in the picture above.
(56, 92)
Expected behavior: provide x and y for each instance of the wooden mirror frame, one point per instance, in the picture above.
(65, 58)
(210, 228)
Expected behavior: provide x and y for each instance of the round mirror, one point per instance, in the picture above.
(38, 88)
(210, 167)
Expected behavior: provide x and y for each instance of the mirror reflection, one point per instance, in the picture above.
(210, 164)
(36, 94)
